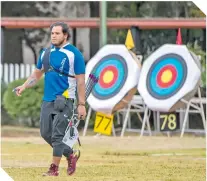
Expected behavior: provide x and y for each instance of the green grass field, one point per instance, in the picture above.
(110, 159)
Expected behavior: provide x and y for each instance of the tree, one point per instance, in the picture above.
(152, 39)
(199, 52)
(27, 106)
(34, 38)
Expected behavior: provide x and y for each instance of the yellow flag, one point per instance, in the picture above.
(129, 40)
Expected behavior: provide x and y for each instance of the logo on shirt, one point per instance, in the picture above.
(62, 65)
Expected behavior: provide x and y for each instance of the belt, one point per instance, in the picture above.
(70, 99)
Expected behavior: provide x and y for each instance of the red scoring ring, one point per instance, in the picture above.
(174, 76)
(115, 72)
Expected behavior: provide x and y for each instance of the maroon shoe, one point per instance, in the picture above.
(53, 171)
(72, 160)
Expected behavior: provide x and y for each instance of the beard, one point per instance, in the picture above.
(58, 44)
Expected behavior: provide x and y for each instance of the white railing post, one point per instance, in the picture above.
(33, 67)
(27, 71)
(16, 67)
(6, 73)
(22, 71)
(11, 72)
(1, 71)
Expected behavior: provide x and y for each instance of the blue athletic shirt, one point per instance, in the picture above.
(67, 59)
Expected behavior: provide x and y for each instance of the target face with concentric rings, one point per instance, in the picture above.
(166, 76)
(118, 72)
(112, 71)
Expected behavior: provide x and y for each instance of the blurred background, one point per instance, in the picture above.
(25, 31)
(160, 156)
(26, 42)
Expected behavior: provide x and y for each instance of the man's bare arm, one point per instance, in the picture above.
(81, 88)
(33, 78)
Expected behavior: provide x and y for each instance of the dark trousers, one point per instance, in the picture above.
(53, 125)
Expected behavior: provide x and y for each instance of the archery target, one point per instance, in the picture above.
(112, 70)
(167, 76)
(112, 64)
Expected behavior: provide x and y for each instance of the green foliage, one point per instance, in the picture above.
(26, 106)
(153, 39)
(153, 9)
(3, 88)
(5, 118)
(199, 52)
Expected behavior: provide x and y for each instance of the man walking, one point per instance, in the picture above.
(64, 69)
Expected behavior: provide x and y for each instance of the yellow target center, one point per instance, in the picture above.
(166, 76)
(108, 76)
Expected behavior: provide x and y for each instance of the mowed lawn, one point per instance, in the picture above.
(110, 159)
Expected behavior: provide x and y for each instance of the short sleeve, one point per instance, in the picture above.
(39, 62)
(79, 63)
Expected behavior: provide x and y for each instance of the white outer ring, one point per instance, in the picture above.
(193, 76)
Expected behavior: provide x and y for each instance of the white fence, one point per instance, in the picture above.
(11, 72)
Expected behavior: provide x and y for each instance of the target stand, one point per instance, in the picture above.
(116, 83)
(197, 104)
(169, 79)
(87, 121)
(139, 107)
